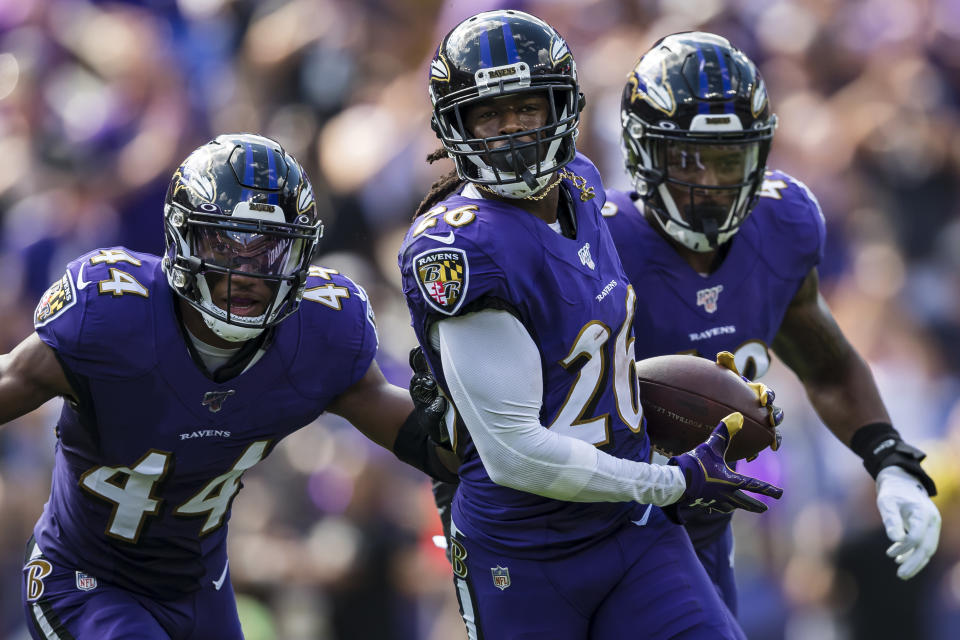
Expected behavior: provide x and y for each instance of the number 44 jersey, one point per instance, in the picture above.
(150, 457)
(570, 293)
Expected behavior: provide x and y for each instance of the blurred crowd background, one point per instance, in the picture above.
(331, 537)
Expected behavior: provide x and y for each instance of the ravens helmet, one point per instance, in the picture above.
(240, 206)
(697, 128)
(501, 53)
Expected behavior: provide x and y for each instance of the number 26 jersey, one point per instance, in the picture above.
(570, 293)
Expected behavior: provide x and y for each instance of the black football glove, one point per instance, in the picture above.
(427, 399)
(711, 484)
(416, 442)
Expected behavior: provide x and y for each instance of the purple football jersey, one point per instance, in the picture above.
(571, 294)
(738, 307)
(149, 461)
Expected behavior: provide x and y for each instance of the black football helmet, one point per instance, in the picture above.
(240, 206)
(498, 53)
(697, 129)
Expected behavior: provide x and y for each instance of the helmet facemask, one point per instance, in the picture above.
(515, 165)
(699, 185)
(500, 54)
(696, 131)
(262, 260)
(241, 227)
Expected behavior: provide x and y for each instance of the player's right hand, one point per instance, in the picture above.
(765, 396)
(711, 484)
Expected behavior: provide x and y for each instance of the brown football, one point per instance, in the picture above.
(684, 397)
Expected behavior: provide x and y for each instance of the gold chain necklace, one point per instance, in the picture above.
(579, 182)
(540, 196)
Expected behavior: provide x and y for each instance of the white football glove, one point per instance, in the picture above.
(911, 519)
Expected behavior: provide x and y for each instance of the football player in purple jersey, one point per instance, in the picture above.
(525, 317)
(179, 372)
(729, 253)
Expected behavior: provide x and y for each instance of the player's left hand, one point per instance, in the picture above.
(910, 518)
(711, 483)
(427, 399)
(765, 396)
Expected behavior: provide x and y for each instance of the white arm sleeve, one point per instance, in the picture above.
(492, 368)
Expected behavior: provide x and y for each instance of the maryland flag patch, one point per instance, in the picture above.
(58, 298)
(443, 277)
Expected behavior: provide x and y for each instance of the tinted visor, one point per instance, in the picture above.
(245, 251)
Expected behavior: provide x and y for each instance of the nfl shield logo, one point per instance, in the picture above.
(585, 258)
(85, 582)
(707, 298)
(501, 577)
(214, 400)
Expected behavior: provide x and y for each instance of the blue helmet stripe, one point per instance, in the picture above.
(272, 198)
(725, 76)
(508, 42)
(703, 106)
(485, 57)
(247, 170)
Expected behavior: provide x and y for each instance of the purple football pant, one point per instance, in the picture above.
(643, 581)
(717, 559)
(65, 604)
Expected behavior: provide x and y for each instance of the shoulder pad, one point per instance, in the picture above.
(101, 306)
(788, 219)
(337, 328)
(447, 276)
(335, 292)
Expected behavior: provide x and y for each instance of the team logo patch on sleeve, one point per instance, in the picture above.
(58, 298)
(443, 277)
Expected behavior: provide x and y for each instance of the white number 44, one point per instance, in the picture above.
(131, 491)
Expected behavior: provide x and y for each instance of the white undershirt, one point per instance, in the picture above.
(493, 370)
(215, 357)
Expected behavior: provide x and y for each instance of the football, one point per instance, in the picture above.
(684, 397)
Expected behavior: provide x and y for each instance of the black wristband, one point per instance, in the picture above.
(414, 446)
(881, 446)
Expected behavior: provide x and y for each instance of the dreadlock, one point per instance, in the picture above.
(441, 188)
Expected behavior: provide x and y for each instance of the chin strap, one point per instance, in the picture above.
(529, 179)
(711, 231)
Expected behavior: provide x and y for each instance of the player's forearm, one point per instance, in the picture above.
(493, 372)
(29, 376)
(837, 380)
(15, 398)
(848, 402)
(377, 409)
